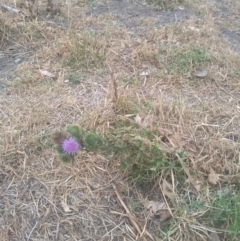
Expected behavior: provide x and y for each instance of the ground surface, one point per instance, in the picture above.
(178, 76)
(226, 16)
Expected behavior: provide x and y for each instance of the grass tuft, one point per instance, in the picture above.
(86, 51)
(186, 61)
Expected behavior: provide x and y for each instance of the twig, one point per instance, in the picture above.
(144, 227)
(32, 230)
(115, 87)
(165, 200)
(130, 216)
(225, 90)
(102, 238)
(10, 9)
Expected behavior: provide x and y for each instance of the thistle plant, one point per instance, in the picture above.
(136, 149)
(68, 143)
(70, 146)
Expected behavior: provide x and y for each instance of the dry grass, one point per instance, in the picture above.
(43, 199)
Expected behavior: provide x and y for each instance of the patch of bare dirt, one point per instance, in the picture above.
(227, 17)
(126, 13)
(10, 56)
(133, 14)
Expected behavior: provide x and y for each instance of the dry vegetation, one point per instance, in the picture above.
(102, 76)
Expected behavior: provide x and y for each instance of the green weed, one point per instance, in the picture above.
(224, 213)
(136, 149)
(76, 78)
(184, 62)
(138, 152)
(87, 51)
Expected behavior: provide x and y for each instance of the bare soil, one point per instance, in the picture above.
(132, 16)
(40, 199)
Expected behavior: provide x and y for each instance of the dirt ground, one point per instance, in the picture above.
(130, 15)
(40, 199)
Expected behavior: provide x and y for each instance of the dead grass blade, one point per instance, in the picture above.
(133, 220)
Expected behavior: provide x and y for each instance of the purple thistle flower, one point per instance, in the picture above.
(70, 146)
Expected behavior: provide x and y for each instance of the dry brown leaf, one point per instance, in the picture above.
(167, 189)
(165, 215)
(213, 177)
(138, 119)
(155, 206)
(145, 122)
(65, 207)
(175, 140)
(191, 178)
(201, 74)
(164, 132)
(158, 208)
(181, 8)
(46, 73)
(148, 121)
(196, 184)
